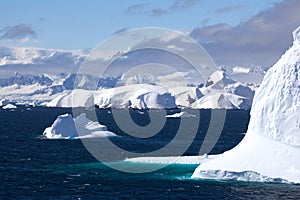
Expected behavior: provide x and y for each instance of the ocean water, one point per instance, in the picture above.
(36, 168)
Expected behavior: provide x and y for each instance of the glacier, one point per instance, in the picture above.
(270, 150)
(67, 127)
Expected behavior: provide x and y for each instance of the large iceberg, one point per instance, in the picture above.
(64, 128)
(270, 150)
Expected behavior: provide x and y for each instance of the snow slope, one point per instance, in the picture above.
(221, 92)
(73, 98)
(141, 96)
(185, 96)
(144, 96)
(270, 150)
(9, 106)
(45, 77)
(65, 127)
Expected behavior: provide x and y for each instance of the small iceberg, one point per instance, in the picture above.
(4, 102)
(270, 150)
(64, 128)
(9, 106)
(181, 115)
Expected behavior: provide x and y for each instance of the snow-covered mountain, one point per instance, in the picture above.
(25, 89)
(251, 76)
(219, 92)
(45, 77)
(58, 91)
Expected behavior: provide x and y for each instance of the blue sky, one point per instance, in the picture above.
(83, 24)
(233, 32)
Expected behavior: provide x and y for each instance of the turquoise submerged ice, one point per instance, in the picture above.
(270, 150)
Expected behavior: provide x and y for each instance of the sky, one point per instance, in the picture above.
(83, 24)
(224, 27)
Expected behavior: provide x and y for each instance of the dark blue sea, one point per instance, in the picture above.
(36, 168)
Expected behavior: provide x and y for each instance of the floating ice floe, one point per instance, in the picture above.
(180, 115)
(67, 127)
(270, 151)
(9, 106)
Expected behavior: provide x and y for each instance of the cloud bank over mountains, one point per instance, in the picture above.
(258, 41)
(20, 32)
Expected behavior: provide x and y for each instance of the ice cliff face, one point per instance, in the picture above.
(276, 107)
(296, 35)
(270, 150)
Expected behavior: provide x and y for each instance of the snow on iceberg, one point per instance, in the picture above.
(9, 106)
(150, 96)
(180, 115)
(218, 80)
(185, 96)
(74, 98)
(270, 150)
(222, 100)
(221, 92)
(64, 128)
(140, 96)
